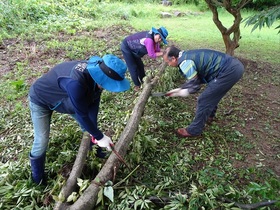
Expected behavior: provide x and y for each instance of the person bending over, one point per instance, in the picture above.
(135, 46)
(203, 66)
(74, 88)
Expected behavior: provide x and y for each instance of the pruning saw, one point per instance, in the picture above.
(159, 94)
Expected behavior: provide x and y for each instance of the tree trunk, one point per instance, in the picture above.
(230, 44)
(88, 199)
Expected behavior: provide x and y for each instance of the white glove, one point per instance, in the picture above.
(178, 92)
(105, 142)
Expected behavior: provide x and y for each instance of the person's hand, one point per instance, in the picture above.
(158, 54)
(178, 92)
(105, 142)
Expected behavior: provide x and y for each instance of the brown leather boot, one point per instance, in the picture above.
(182, 132)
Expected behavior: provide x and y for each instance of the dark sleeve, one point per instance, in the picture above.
(192, 85)
(86, 114)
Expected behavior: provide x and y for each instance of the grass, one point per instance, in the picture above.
(190, 172)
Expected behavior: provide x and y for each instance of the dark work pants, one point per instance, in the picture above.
(213, 93)
(134, 64)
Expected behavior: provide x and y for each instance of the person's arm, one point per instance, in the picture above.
(149, 43)
(86, 115)
(193, 83)
(188, 69)
(158, 48)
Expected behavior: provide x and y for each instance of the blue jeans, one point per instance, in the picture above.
(216, 89)
(41, 119)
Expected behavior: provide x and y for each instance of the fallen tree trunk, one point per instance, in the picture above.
(88, 199)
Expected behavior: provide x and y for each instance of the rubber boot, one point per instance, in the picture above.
(38, 169)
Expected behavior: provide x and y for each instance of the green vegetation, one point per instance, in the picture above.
(264, 18)
(231, 161)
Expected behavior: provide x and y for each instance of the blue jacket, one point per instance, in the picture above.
(69, 88)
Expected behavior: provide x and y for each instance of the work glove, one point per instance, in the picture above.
(100, 153)
(105, 142)
(178, 92)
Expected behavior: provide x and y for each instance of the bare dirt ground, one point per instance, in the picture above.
(261, 111)
(259, 103)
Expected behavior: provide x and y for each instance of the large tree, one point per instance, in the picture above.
(231, 35)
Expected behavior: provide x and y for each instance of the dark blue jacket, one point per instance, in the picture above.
(69, 88)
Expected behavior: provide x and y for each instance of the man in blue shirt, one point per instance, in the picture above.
(73, 88)
(203, 66)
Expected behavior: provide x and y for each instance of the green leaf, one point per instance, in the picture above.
(79, 182)
(100, 196)
(109, 193)
(137, 203)
(72, 197)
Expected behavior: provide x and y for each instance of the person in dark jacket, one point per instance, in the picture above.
(203, 66)
(135, 46)
(74, 88)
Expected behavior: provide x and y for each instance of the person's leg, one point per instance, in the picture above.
(131, 64)
(140, 69)
(212, 116)
(205, 104)
(41, 122)
(212, 95)
(213, 113)
(41, 118)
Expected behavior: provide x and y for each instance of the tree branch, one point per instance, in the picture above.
(212, 6)
(76, 172)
